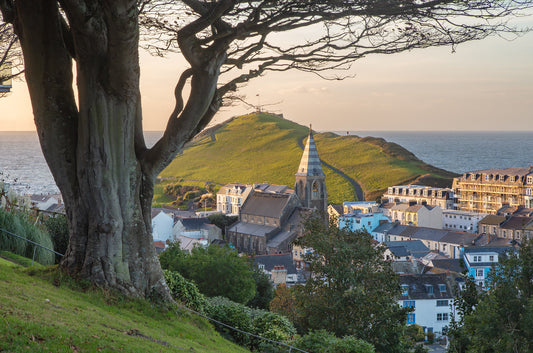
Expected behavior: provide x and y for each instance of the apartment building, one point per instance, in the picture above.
(488, 190)
(421, 195)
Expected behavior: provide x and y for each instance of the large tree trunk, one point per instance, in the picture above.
(94, 148)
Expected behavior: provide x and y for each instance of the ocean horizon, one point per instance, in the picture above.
(22, 163)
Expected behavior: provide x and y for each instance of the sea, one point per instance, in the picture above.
(22, 164)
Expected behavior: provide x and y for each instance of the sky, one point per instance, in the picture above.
(484, 85)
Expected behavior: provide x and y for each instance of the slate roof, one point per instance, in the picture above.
(506, 171)
(269, 261)
(452, 265)
(273, 188)
(516, 222)
(413, 247)
(279, 238)
(384, 227)
(310, 163)
(399, 251)
(460, 238)
(492, 220)
(265, 204)
(194, 223)
(251, 228)
(419, 287)
(156, 211)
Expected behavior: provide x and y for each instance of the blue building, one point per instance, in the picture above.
(357, 220)
(480, 260)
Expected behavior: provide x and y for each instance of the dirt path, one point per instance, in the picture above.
(358, 191)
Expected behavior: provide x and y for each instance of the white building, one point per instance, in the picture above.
(430, 295)
(417, 215)
(420, 194)
(461, 221)
(231, 197)
(162, 223)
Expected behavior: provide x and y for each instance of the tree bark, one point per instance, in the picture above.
(94, 148)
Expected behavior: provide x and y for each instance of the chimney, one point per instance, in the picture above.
(279, 275)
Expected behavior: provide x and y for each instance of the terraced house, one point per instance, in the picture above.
(488, 190)
(421, 195)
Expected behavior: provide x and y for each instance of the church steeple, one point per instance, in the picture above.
(310, 162)
(310, 183)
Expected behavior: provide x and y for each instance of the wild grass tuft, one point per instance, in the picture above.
(20, 224)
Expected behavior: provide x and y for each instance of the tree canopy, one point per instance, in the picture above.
(217, 271)
(353, 291)
(93, 142)
(499, 319)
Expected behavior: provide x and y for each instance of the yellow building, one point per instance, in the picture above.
(488, 190)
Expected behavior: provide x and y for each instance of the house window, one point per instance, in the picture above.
(442, 317)
(442, 302)
(477, 258)
(429, 288)
(479, 272)
(491, 258)
(405, 289)
(408, 303)
(442, 288)
(411, 319)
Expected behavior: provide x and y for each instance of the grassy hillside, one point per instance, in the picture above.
(42, 313)
(260, 148)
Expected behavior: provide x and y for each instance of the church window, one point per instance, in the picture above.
(316, 190)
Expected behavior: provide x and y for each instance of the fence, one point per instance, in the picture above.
(35, 245)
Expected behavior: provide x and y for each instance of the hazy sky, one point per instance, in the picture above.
(485, 85)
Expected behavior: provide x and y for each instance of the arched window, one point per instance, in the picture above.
(315, 190)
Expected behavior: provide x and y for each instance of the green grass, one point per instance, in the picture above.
(259, 148)
(41, 311)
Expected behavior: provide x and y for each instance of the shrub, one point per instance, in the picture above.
(272, 326)
(322, 341)
(58, 229)
(18, 223)
(185, 291)
(232, 314)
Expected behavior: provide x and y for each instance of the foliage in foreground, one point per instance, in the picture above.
(19, 223)
(321, 341)
(184, 291)
(259, 322)
(217, 271)
(353, 290)
(499, 319)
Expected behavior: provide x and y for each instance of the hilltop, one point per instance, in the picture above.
(263, 147)
(43, 312)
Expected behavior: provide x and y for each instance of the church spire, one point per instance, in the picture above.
(310, 162)
(310, 185)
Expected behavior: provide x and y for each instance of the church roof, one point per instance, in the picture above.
(265, 204)
(310, 162)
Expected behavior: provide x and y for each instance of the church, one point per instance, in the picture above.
(270, 219)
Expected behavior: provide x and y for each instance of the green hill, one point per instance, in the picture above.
(42, 312)
(262, 147)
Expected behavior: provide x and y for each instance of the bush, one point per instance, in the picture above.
(232, 314)
(415, 333)
(272, 326)
(58, 229)
(18, 223)
(322, 341)
(185, 291)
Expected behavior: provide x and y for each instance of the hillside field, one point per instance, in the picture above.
(260, 147)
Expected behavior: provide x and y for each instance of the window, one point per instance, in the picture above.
(442, 288)
(405, 289)
(429, 288)
(530, 179)
(408, 303)
(479, 272)
(442, 302)
(476, 258)
(491, 258)
(442, 317)
(487, 177)
(410, 319)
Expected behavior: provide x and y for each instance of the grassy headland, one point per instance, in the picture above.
(261, 147)
(42, 312)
